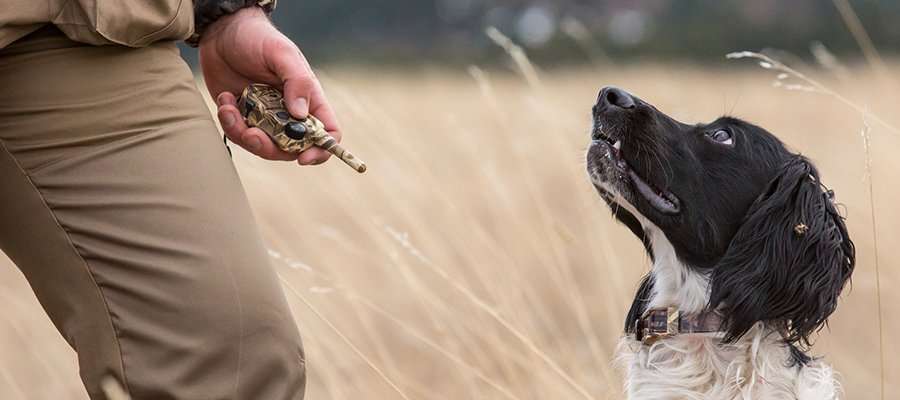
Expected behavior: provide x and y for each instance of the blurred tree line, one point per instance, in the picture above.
(573, 31)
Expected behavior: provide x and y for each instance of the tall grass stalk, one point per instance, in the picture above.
(584, 39)
(343, 337)
(112, 389)
(371, 306)
(403, 240)
(856, 28)
(434, 346)
(866, 138)
(811, 85)
(814, 86)
(14, 386)
(526, 68)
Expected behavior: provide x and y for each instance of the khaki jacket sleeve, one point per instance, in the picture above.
(133, 23)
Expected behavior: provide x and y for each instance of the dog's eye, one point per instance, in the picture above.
(722, 136)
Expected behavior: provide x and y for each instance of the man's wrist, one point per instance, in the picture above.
(219, 25)
(210, 15)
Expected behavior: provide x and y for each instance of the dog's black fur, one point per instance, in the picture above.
(750, 214)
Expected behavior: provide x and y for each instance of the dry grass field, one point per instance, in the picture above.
(474, 260)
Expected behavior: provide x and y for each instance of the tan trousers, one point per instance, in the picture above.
(121, 207)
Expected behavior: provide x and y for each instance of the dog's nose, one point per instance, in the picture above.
(614, 97)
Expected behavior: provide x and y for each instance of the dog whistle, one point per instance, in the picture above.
(262, 106)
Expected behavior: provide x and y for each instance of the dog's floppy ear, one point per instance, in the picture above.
(789, 260)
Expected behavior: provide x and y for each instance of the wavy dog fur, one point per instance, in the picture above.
(789, 261)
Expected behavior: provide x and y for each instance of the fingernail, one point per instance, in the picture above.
(228, 120)
(303, 105)
(254, 143)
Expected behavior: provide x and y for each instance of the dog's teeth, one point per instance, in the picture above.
(617, 145)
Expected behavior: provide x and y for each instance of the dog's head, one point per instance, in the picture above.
(735, 205)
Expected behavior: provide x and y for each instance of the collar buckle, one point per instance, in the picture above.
(658, 323)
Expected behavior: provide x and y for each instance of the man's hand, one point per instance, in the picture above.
(245, 48)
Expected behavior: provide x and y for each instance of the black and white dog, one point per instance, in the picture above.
(749, 254)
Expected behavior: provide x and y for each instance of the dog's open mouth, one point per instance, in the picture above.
(662, 200)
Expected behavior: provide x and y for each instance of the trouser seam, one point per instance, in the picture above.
(84, 262)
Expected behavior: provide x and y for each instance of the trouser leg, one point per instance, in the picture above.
(122, 209)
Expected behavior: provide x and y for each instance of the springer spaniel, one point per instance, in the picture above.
(749, 254)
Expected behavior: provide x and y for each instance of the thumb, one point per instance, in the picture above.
(299, 81)
(296, 98)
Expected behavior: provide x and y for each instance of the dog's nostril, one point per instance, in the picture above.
(614, 96)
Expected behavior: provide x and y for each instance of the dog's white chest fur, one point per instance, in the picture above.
(699, 366)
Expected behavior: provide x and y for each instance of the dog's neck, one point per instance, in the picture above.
(674, 283)
(699, 366)
(755, 367)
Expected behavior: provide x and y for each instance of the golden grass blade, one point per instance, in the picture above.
(113, 390)
(855, 26)
(436, 347)
(767, 62)
(18, 392)
(867, 146)
(814, 86)
(582, 36)
(369, 304)
(526, 68)
(343, 337)
(492, 312)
